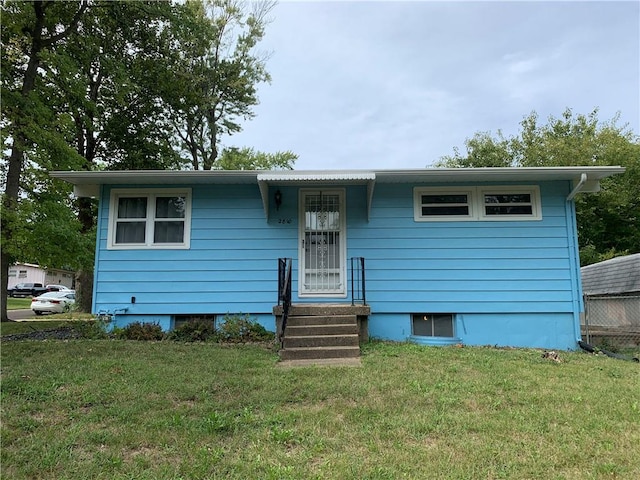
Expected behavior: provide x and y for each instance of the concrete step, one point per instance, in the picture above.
(328, 309)
(295, 331)
(321, 341)
(301, 353)
(300, 320)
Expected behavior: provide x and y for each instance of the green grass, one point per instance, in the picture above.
(18, 303)
(118, 409)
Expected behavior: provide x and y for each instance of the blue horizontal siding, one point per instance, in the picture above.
(230, 267)
(522, 269)
(467, 266)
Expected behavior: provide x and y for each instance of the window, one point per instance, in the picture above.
(510, 203)
(149, 219)
(436, 204)
(433, 325)
(180, 320)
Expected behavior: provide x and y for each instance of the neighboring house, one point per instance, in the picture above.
(612, 296)
(485, 256)
(30, 273)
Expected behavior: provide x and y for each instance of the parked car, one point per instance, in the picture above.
(53, 302)
(58, 288)
(26, 290)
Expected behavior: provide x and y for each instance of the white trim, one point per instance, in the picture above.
(476, 203)
(533, 190)
(342, 291)
(418, 192)
(151, 194)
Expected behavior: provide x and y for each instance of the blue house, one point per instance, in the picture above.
(485, 256)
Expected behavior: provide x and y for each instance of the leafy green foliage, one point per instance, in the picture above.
(241, 329)
(90, 329)
(142, 331)
(249, 159)
(609, 221)
(117, 85)
(194, 331)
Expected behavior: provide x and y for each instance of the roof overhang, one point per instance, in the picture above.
(584, 179)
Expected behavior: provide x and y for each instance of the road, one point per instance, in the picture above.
(21, 314)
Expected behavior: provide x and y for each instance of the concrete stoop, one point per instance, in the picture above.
(322, 339)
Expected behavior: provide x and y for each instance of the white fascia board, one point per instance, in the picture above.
(157, 177)
(302, 176)
(495, 174)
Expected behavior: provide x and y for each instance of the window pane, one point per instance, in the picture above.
(459, 210)
(508, 198)
(422, 325)
(458, 198)
(130, 232)
(168, 232)
(132, 207)
(509, 210)
(170, 207)
(442, 326)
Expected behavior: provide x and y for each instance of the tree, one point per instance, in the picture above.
(248, 159)
(218, 78)
(42, 27)
(608, 222)
(117, 85)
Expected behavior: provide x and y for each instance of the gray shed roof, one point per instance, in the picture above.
(616, 276)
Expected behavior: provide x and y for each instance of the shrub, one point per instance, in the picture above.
(141, 331)
(90, 329)
(194, 331)
(240, 329)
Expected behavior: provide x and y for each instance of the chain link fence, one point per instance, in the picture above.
(612, 322)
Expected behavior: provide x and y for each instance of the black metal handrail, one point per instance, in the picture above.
(284, 292)
(358, 284)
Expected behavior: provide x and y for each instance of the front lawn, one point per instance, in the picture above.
(18, 303)
(123, 409)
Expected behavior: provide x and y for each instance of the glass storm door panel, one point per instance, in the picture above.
(322, 243)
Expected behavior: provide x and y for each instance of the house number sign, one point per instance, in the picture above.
(284, 220)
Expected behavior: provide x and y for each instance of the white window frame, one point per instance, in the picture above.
(476, 203)
(533, 190)
(418, 192)
(151, 194)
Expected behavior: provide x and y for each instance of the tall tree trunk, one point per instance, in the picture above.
(20, 141)
(16, 159)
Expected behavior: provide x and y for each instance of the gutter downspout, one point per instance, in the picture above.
(576, 190)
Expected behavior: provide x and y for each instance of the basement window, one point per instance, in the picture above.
(433, 325)
(179, 320)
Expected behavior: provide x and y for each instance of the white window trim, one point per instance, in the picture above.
(417, 204)
(151, 194)
(533, 190)
(476, 203)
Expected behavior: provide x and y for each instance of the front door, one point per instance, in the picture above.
(322, 243)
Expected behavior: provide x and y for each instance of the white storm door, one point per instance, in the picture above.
(323, 243)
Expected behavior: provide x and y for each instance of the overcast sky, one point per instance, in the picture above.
(399, 84)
